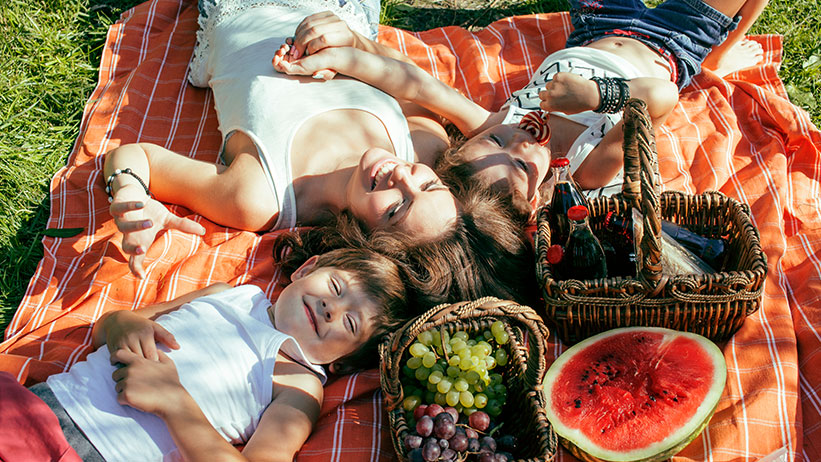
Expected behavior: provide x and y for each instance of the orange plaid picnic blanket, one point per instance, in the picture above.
(740, 136)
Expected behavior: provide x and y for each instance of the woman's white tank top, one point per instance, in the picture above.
(233, 57)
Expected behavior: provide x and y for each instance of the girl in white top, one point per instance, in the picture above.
(223, 366)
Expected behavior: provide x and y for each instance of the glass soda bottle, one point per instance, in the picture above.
(712, 250)
(616, 238)
(555, 254)
(566, 194)
(583, 254)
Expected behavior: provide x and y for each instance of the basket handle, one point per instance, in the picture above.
(522, 316)
(641, 187)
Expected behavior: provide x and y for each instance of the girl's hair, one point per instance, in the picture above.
(460, 176)
(379, 276)
(485, 252)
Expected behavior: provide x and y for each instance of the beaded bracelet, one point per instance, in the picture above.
(119, 172)
(613, 94)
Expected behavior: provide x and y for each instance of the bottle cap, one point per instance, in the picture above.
(555, 253)
(560, 162)
(577, 212)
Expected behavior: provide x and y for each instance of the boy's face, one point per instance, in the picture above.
(507, 156)
(388, 193)
(326, 311)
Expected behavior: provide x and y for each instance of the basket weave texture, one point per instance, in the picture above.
(523, 413)
(713, 304)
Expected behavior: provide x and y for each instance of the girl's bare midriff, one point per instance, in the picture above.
(647, 61)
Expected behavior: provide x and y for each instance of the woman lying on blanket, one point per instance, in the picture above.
(618, 49)
(237, 369)
(300, 151)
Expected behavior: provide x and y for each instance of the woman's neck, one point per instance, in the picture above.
(321, 197)
(324, 152)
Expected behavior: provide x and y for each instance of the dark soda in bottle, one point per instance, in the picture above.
(583, 254)
(616, 238)
(566, 194)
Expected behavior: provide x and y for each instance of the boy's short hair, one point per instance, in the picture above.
(381, 277)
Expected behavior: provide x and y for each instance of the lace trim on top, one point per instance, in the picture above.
(212, 13)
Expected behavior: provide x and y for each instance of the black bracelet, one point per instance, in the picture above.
(119, 172)
(613, 94)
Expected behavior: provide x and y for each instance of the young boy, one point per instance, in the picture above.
(218, 367)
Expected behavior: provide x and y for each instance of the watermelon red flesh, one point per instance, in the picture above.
(641, 381)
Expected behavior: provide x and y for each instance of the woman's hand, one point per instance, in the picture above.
(322, 65)
(314, 34)
(140, 218)
(319, 31)
(149, 386)
(125, 330)
(569, 93)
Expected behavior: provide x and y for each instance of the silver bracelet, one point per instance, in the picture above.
(126, 171)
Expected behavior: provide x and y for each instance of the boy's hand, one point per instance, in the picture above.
(319, 31)
(140, 218)
(569, 93)
(131, 332)
(149, 386)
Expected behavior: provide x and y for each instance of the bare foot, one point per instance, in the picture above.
(744, 54)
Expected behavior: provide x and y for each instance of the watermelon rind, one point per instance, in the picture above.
(585, 449)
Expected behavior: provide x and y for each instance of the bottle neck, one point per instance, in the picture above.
(562, 173)
(576, 225)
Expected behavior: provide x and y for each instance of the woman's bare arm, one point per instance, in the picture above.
(399, 79)
(231, 196)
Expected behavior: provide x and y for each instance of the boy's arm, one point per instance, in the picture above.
(399, 79)
(289, 419)
(136, 330)
(571, 93)
(286, 423)
(154, 387)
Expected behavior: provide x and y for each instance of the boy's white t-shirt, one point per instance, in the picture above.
(228, 347)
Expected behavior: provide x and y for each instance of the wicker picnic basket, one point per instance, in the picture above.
(523, 373)
(713, 304)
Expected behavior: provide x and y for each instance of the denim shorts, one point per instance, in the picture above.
(687, 29)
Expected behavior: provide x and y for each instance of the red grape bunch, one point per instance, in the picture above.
(438, 437)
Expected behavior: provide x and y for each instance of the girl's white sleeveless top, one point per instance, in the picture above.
(228, 348)
(236, 43)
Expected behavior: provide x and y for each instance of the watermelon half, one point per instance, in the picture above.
(634, 394)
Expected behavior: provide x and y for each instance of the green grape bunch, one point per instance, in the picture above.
(457, 370)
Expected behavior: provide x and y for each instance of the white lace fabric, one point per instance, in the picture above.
(214, 12)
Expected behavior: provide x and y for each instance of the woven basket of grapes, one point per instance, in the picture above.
(463, 382)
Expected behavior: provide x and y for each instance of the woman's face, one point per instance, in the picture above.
(387, 193)
(508, 157)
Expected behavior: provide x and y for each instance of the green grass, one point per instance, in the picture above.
(50, 50)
